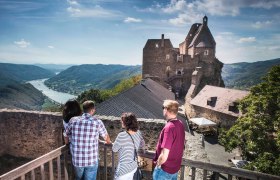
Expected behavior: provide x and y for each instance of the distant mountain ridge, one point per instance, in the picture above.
(55, 67)
(244, 75)
(77, 79)
(22, 72)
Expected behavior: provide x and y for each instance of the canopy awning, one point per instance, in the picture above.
(239, 163)
(202, 122)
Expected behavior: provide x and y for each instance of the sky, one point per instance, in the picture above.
(115, 31)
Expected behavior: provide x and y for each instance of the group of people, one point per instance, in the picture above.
(82, 131)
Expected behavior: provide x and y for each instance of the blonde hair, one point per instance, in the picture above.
(171, 106)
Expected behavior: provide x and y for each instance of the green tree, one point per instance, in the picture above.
(126, 84)
(101, 95)
(256, 132)
(92, 94)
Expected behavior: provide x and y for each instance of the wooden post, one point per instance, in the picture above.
(105, 162)
(33, 174)
(113, 165)
(182, 175)
(58, 168)
(204, 174)
(65, 166)
(42, 172)
(51, 170)
(193, 173)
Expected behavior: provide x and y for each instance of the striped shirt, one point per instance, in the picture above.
(84, 133)
(125, 148)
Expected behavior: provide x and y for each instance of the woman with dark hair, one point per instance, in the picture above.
(125, 144)
(71, 109)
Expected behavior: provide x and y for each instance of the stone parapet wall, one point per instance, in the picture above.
(31, 134)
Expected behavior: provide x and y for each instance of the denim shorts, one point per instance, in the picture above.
(86, 173)
(160, 174)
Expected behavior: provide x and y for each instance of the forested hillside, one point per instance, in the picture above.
(77, 79)
(20, 72)
(21, 96)
(245, 75)
(14, 93)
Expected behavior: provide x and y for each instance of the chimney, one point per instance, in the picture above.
(162, 40)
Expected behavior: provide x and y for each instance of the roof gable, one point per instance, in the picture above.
(203, 38)
(152, 44)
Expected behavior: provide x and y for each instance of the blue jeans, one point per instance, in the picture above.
(86, 173)
(160, 174)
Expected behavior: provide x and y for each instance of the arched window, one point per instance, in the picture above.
(167, 71)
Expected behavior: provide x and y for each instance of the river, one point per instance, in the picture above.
(59, 97)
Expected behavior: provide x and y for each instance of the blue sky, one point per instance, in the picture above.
(115, 31)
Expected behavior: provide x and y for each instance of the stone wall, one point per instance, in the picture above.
(31, 134)
(223, 120)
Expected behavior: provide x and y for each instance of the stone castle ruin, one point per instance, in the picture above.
(194, 60)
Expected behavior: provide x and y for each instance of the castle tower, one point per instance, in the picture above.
(174, 66)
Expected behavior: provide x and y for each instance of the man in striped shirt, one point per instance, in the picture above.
(84, 132)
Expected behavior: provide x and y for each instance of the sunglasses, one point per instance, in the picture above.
(164, 107)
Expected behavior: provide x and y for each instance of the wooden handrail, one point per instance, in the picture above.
(24, 169)
(39, 162)
(229, 170)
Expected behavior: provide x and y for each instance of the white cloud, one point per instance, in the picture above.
(259, 24)
(73, 10)
(72, 2)
(51, 47)
(132, 20)
(22, 43)
(267, 4)
(185, 18)
(246, 39)
(274, 48)
(175, 6)
(96, 11)
(218, 7)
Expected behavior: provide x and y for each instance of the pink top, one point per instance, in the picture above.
(172, 137)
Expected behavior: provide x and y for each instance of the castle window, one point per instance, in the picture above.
(167, 71)
(179, 72)
(157, 45)
(167, 56)
(179, 58)
(233, 107)
(206, 52)
(212, 101)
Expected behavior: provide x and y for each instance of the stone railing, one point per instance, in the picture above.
(54, 166)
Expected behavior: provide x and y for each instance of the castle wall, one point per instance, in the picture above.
(223, 120)
(31, 134)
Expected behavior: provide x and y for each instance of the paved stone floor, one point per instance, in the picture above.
(212, 152)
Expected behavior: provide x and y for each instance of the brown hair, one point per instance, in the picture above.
(87, 106)
(71, 109)
(130, 121)
(171, 106)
